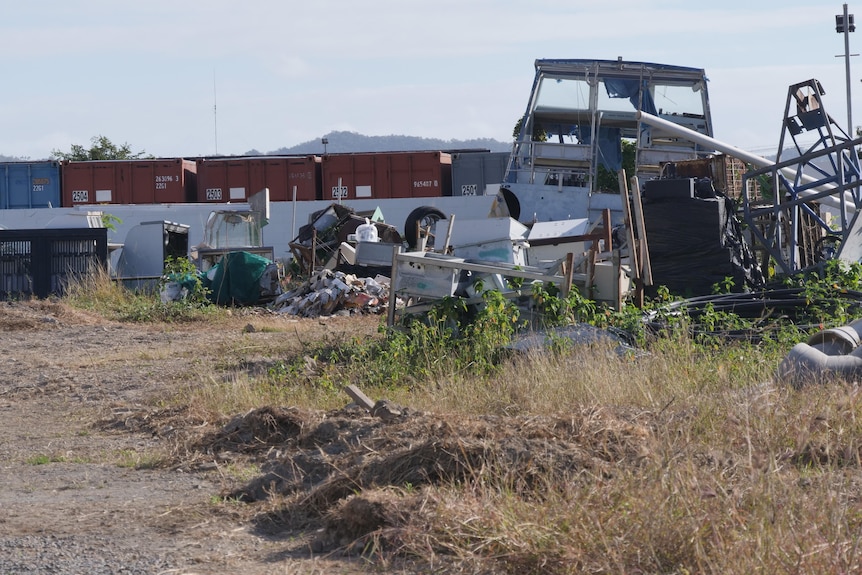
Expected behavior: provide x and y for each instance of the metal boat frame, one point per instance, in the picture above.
(577, 116)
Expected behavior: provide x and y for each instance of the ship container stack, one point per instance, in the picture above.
(153, 181)
(235, 179)
(386, 175)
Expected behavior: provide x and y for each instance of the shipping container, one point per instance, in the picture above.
(235, 179)
(386, 175)
(478, 173)
(29, 185)
(156, 181)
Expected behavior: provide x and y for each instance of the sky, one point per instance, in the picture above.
(185, 78)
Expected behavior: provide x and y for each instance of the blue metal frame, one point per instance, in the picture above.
(835, 182)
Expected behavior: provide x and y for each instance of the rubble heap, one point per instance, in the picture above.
(330, 292)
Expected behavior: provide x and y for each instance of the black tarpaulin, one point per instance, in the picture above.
(696, 243)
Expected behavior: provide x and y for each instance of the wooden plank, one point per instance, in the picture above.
(448, 234)
(393, 297)
(359, 397)
(608, 231)
(591, 271)
(618, 296)
(568, 273)
(634, 259)
(639, 221)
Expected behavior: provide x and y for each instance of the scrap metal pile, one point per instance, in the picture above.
(330, 292)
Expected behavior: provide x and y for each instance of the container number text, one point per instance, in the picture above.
(468, 190)
(214, 194)
(339, 192)
(80, 196)
(40, 183)
(162, 181)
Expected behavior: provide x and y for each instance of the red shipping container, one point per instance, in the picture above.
(235, 179)
(384, 175)
(159, 181)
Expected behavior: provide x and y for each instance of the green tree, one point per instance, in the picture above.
(539, 134)
(101, 149)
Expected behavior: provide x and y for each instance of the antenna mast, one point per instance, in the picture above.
(215, 115)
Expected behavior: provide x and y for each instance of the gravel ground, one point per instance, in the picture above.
(74, 391)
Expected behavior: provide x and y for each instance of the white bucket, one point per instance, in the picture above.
(366, 232)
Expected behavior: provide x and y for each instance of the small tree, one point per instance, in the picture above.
(101, 149)
(539, 134)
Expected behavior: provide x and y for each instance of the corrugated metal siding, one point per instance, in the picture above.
(385, 175)
(235, 179)
(29, 185)
(478, 173)
(128, 182)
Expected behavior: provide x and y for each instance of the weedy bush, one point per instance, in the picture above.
(466, 346)
(97, 291)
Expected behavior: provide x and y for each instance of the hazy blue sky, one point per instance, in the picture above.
(282, 72)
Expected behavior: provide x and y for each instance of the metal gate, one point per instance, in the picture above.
(40, 262)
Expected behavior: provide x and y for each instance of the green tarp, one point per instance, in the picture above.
(236, 278)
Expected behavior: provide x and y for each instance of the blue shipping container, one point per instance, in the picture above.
(29, 185)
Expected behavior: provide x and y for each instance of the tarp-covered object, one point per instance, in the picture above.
(696, 243)
(236, 278)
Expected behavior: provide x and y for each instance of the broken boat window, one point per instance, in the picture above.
(679, 100)
(563, 93)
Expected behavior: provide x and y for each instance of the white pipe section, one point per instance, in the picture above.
(831, 352)
(703, 139)
(753, 159)
(806, 364)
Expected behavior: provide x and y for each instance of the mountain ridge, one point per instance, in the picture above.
(345, 142)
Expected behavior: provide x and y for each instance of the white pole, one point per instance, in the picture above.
(847, 71)
(293, 223)
(753, 159)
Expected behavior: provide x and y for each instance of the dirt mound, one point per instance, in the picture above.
(342, 465)
(260, 430)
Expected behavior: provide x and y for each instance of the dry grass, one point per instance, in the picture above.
(687, 460)
(738, 474)
(729, 472)
(768, 481)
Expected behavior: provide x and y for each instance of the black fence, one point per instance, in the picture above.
(39, 262)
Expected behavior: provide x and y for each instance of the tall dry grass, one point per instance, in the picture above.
(736, 472)
(739, 473)
(742, 473)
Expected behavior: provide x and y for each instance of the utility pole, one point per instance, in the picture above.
(844, 25)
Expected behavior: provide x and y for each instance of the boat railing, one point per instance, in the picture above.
(553, 153)
(551, 164)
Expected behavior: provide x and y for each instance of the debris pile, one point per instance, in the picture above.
(318, 241)
(330, 292)
(320, 461)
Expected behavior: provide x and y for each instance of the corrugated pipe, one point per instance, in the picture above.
(831, 352)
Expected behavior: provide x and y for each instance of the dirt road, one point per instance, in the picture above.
(86, 487)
